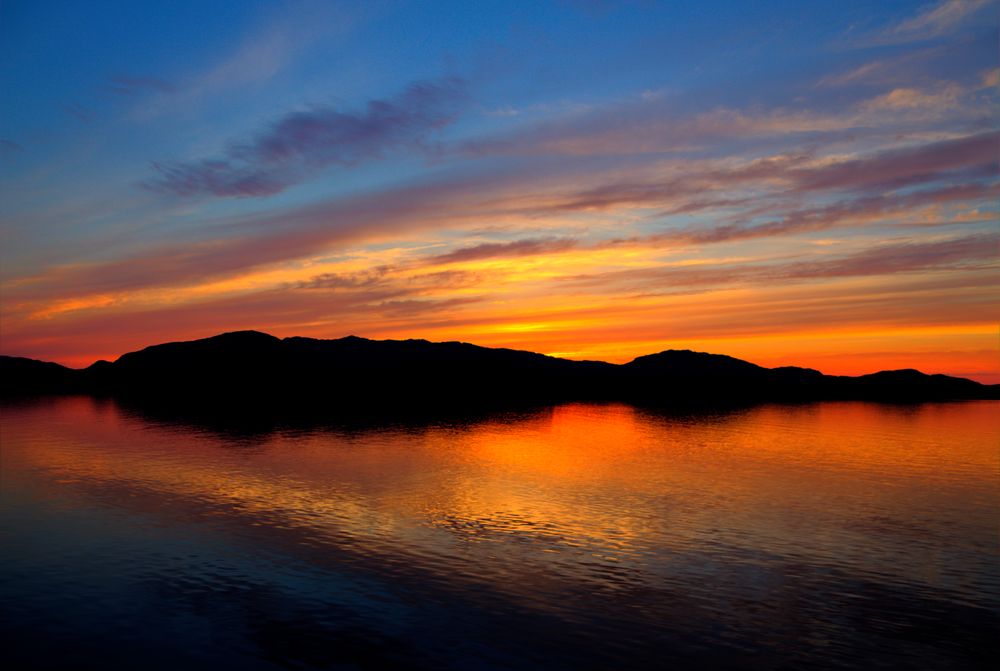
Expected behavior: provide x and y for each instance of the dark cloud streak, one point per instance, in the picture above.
(973, 252)
(859, 210)
(294, 147)
(489, 250)
(967, 158)
(905, 167)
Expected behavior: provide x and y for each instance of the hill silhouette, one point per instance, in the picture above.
(246, 368)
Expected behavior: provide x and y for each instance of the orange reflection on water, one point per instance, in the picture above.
(590, 491)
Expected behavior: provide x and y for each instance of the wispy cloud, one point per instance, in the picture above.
(859, 74)
(903, 167)
(648, 127)
(945, 97)
(279, 38)
(907, 67)
(859, 211)
(933, 21)
(990, 79)
(883, 185)
(489, 250)
(355, 280)
(971, 252)
(297, 145)
(701, 184)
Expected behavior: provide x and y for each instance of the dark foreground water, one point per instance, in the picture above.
(582, 536)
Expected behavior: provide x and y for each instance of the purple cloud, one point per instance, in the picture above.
(300, 143)
(819, 218)
(932, 22)
(906, 167)
(490, 250)
(357, 280)
(469, 198)
(974, 252)
(973, 157)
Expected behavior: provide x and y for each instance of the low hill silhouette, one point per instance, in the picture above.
(248, 367)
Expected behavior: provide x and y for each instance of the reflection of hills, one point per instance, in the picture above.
(575, 526)
(248, 367)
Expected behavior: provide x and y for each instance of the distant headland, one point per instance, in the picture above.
(248, 367)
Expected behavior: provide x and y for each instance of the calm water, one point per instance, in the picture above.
(581, 536)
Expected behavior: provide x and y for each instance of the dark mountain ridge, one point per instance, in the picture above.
(248, 366)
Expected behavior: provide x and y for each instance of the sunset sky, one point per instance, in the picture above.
(792, 183)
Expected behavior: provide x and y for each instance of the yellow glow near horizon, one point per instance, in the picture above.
(604, 302)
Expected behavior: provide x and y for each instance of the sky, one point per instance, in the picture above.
(791, 183)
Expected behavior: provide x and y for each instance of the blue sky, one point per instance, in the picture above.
(541, 175)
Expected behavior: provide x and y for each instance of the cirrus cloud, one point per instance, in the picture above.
(299, 144)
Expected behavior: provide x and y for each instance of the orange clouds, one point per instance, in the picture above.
(869, 246)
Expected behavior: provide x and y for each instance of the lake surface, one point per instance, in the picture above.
(834, 535)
